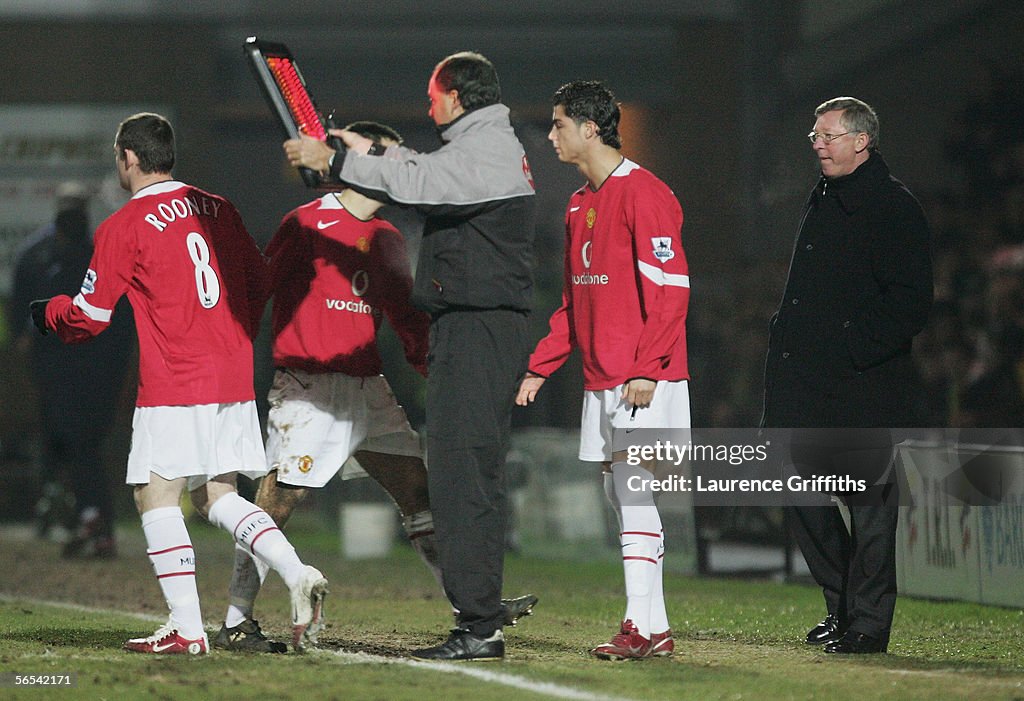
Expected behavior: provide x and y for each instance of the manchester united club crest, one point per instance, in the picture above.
(362, 245)
(591, 218)
(305, 464)
(663, 248)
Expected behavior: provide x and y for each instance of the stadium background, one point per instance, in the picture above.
(718, 97)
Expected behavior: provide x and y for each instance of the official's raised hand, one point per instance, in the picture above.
(308, 152)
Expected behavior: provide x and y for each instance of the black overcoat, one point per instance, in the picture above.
(859, 290)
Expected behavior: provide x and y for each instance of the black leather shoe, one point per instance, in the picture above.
(825, 632)
(854, 643)
(464, 645)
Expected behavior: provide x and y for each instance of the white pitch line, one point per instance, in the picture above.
(470, 669)
(950, 672)
(466, 668)
(11, 598)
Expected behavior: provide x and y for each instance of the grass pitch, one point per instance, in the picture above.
(734, 639)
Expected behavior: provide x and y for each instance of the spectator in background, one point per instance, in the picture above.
(78, 388)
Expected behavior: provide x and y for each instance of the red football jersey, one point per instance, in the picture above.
(333, 277)
(197, 285)
(627, 285)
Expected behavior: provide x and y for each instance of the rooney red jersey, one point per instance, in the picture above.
(333, 278)
(197, 285)
(627, 285)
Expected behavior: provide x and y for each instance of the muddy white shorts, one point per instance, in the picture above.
(318, 421)
(608, 421)
(200, 441)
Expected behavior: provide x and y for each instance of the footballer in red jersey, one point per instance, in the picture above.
(336, 271)
(624, 302)
(196, 282)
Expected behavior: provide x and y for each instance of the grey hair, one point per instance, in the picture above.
(857, 116)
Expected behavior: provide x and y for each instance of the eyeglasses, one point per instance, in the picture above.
(827, 138)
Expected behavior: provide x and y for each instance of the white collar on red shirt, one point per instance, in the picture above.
(625, 168)
(331, 201)
(158, 188)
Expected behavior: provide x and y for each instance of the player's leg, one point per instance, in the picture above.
(404, 478)
(666, 419)
(257, 533)
(236, 445)
(170, 551)
(645, 629)
(289, 398)
(392, 455)
(241, 631)
(596, 440)
(641, 543)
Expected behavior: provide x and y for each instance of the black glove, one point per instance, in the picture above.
(38, 309)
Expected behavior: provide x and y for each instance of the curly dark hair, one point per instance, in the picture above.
(585, 100)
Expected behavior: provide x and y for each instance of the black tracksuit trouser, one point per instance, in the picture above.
(477, 358)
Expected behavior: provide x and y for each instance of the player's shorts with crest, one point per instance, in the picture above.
(608, 422)
(318, 421)
(200, 441)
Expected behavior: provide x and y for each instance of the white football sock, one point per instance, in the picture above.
(640, 539)
(174, 562)
(254, 530)
(659, 616)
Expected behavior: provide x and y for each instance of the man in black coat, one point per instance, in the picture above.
(839, 366)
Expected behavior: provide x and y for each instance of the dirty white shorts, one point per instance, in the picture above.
(318, 421)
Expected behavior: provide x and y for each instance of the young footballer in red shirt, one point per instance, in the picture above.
(624, 304)
(336, 270)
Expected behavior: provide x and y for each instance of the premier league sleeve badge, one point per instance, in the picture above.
(663, 248)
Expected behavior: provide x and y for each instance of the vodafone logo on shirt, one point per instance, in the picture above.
(344, 305)
(588, 278)
(360, 283)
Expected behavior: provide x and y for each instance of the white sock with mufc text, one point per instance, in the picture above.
(174, 562)
(254, 530)
(640, 539)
